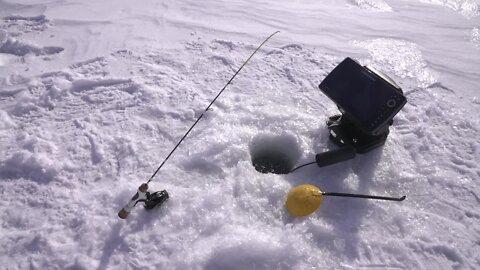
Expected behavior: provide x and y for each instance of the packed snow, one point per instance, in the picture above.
(95, 94)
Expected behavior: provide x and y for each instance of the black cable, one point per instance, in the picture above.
(302, 166)
(331, 157)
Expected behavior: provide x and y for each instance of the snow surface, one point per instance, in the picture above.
(95, 94)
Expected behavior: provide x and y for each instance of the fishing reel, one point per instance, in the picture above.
(149, 200)
(156, 199)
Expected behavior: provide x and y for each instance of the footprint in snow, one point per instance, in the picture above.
(15, 47)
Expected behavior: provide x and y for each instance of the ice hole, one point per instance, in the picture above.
(274, 153)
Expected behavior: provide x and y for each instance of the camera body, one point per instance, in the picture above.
(368, 101)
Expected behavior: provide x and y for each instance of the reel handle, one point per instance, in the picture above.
(140, 195)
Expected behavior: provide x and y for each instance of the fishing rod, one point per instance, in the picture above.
(158, 198)
(209, 105)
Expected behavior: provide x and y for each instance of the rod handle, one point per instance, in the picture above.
(123, 214)
(140, 195)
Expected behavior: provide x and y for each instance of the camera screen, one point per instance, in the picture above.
(367, 98)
